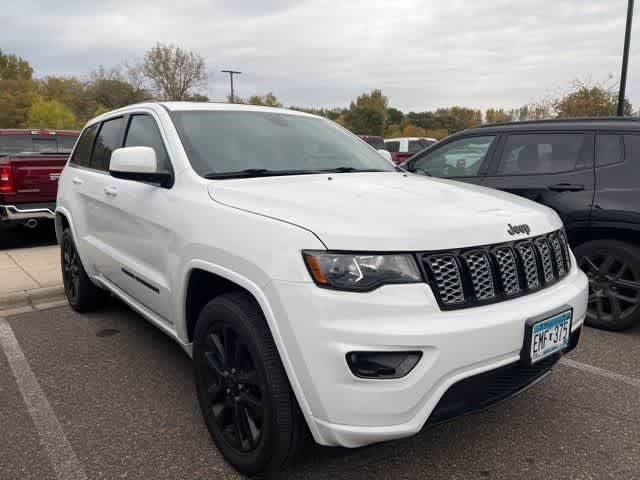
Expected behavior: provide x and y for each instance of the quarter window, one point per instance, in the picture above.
(109, 138)
(82, 152)
(460, 158)
(538, 154)
(143, 132)
(609, 149)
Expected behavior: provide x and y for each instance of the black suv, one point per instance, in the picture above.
(588, 170)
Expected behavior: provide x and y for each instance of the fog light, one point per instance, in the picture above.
(382, 365)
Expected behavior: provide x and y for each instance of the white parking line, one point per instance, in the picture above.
(585, 367)
(63, 458)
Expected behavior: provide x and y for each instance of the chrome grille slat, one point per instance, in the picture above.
(545, 257)
(507, 266)
(447, 274)
(478, 275)
(481, 275)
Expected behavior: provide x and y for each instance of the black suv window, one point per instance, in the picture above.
(417, 145)
(609, 149)
(109, 138)
(459, 158)
(393, 146)
(82, 152)
(143, 132)
(543, 153)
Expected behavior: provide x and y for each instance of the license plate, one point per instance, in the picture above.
(548, 336)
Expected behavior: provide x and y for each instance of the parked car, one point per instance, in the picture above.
(587, 170)
(316, 287)
(377, 143)
(30, 164)
(403, 148)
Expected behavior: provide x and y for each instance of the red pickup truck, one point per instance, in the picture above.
(30, 164)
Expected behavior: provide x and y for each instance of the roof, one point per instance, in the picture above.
(600, 123)
(37, 131)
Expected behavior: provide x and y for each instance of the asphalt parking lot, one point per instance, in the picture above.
(106, 395)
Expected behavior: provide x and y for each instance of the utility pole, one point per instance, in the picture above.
(234, 72)
(625, 60)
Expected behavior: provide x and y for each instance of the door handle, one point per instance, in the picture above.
(77, 181)
(111, 191)
(566, 187)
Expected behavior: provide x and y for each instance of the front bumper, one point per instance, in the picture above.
(27, 211)
(319, 327)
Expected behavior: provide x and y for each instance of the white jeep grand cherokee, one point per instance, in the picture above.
(316, 286)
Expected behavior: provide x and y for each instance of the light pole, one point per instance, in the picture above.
(231, 74)
(625, 60)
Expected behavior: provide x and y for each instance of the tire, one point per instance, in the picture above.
(83, 295)
(613, 268)
(243, 390)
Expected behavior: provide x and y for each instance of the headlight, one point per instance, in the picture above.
(360, 272)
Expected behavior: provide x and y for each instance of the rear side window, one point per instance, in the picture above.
(392, 146)
(82, 152)
(109, 138)
(539, 154)
(143, 132)
(609, 149)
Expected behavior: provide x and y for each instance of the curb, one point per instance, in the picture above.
(31, 298)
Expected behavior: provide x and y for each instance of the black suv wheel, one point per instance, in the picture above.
(243, 390)
(613, 268)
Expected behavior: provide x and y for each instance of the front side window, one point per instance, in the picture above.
(143, 132)
(459, 158)
(609, 149)
(539, 154)
(109, 138)
(82, 153)
(219, 142)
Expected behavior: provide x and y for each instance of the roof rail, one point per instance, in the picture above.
(561, 120)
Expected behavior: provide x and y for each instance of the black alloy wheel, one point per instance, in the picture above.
(613, 269)
(70, 269)
(233, 387)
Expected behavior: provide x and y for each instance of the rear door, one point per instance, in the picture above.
(552, 168)
(461, 158)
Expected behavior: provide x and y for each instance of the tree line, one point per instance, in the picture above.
(169, 72)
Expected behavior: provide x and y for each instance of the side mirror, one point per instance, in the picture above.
(385, 154)
(138, 164)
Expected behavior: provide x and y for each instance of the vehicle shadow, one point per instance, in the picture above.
(22, 237)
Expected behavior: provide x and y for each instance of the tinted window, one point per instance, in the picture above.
(632, 148)
(460, 158)
(224, 141)
(109, 138)
(143, 132)
(537, 154)
(31, 143)
(393, 146)
(608, 149)
(85, 143)
(417, 145)
(375, 142)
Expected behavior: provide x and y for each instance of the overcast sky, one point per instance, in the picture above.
(423, 54)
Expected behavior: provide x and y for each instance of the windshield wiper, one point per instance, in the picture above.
(256, 172)
(350, 170)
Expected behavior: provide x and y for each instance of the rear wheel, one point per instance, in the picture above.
(243, 390)
(83, 295)
(613, 268)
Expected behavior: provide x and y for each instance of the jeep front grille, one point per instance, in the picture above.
(491, 273)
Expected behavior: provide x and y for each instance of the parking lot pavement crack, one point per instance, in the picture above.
(61, 455)
(24, 270)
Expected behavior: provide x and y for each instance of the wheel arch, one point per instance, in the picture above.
(629, 233)
(224, 280)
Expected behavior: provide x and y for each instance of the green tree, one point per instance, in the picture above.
(17, 90)
(587, 100)
(172, 71)
(495, 115)
(268, 100)
(51, 114)
(109, 89)
(367, 115)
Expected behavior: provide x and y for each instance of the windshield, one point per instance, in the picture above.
(37, 143)
(226, 142)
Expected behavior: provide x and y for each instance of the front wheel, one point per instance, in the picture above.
(243, 390)
(613, 269)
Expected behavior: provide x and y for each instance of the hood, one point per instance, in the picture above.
(384, 211)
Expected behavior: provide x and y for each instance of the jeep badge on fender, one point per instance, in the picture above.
(517, 229)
